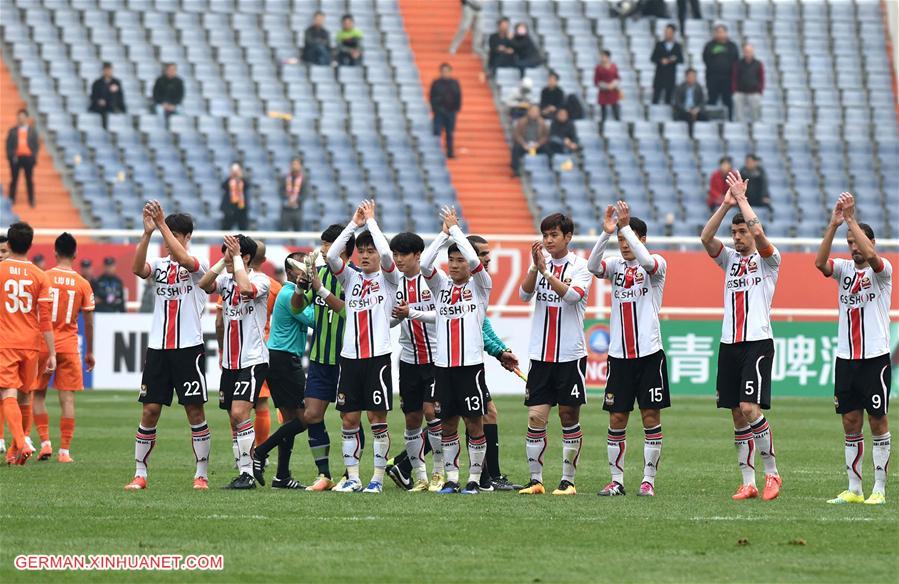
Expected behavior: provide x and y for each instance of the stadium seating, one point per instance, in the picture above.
(360, 130)
(829, 113)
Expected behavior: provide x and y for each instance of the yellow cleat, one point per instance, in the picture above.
(437, 482)
(534, 487)
(565, 488)
(847, 497)
(322, 483)
(420, 486)
(876, 499)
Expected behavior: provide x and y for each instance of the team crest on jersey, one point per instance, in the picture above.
(466, 295)
(183, 274)
(610, 399)
(567, 281)
(341, 399)
(639, 277)
(752, 266)
(426, 295)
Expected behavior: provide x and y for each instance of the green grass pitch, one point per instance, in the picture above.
(688, 533)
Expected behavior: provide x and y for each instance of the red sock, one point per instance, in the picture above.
(66, 431)
(25, 410)
(42, 421)
(14, 419)
(263, 425)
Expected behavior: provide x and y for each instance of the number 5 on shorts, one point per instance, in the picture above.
(750, 388)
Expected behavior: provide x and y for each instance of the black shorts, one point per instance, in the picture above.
(461, 391)
(241, 385)
(644, 379)
(556, 383)
(863, 384)
(744, 373)
(365, 384)
(286, 380)
(416, 386)
(182, 371)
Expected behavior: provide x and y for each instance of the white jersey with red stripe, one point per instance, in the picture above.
(636, 300)
(749, 283)
(370, 299)
(179, 303)
(244, 320)
(557, 329)
(864, 297)
(418, 339)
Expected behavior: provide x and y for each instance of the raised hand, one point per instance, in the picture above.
(368, 209)
(537, 256)
(156, 212)
(232, 246)
(450, 219)
(729, 199)
(609, 223)
(836, 218)
(737, 186)
(359, 215)
(624, 214)
(147, 217)
(848, 203)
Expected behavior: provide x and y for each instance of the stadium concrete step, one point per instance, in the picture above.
(492, 201)
(54, 206)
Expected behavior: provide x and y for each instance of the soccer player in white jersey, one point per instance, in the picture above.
(176, 358)
(245, 356)
(560, 282)
(365, 381)
(863, 375)
(637, 368)
(461, 300)
(746, 352)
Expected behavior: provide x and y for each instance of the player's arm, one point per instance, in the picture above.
(426, 316)
(529, 284)
(495, 347)
(478, 273)
(45, 320)
(865, 245)
(207, 282)
(219, 328)
(89, 339)
(179, 254)
(714, 246)
(335, 262)
(644, 258)
(738, 190)
(822, 259)
(595, 264)
(434, 277)
(139, 265)
(331, 300)
(388, 267)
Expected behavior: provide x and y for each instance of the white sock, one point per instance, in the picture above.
(477, 449)
(451, 457)
(435, 437)
(144, 441)
(572, 439)
(652, 452)
(202, 444)
(535, 447)
(854, 451)
(63, 451)
(415, 447)
(616, 446)
(234, 450)
(380, 447)
(745, 454)
(246, 436)
(881, 448)
(764, 443)
(352, 452)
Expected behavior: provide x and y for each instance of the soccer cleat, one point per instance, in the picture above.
(396, 475)
(449, 488)
(322, 483)
(11, 455)
(876, 499)
(374, 487)
(420, 486)
(534, 487)
(137, 484)
(64, 458)
(23, 455)
(288, 483)
(565, 488)
(501, 483)
(646, 490)
(340, 483)
(613, 489)
(772, 487)
(259, 469)
(201, 484)
(243, 482)
(847, 497)
(437, 482)
(472, 488)
(46, 451)
(745, 492)
(2, 445)
(348, 486)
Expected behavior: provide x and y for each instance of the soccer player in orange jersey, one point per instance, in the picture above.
(70, 294)
(25, 311)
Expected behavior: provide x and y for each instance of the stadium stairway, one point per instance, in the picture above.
(54, 204)
(492, 201)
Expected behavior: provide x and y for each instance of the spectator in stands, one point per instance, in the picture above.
(667, 55)
(521, 99)
(718, 184)
(294, 190)
(107, 96)
(109, 292)
(471, 12)
(39, 261)
(317, 41)
(235, 200)
(446, 101)
(168, 92)
(689, 101)
(562, 134)
(606, 78)
(349, 42)
(529, 136)
(720, 55)
(501, 50)
(526, 53)
(748, 86)
(552, 98)
(22, 146)
(87, 270)
(757, 190)
(682, 12)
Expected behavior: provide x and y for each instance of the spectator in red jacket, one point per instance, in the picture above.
(717, 184)
(606, 78)
(748, 86)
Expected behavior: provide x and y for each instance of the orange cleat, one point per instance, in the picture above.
(23, 455)
(64, 458)
(745, 492)
(137, 484)
(46, 451)
(201, 484)
(772, 487)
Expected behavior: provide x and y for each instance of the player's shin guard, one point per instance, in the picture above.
(320, 445)
(144, 441)
(14, 421)
(764, 443)
(536, 447)
(881, 447)
(262, 425)
(352, 452)
(381, 448)
(234, 449)
(477, 450)
(451, 457)
(27, 417)
(42, 421)
(202, 442)
(745, 454)
(572, 439)
(415, 449)
(616, 448)
(854, 451)
(652, 453)
(435, 439)
(66, 432)
(246, 436)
